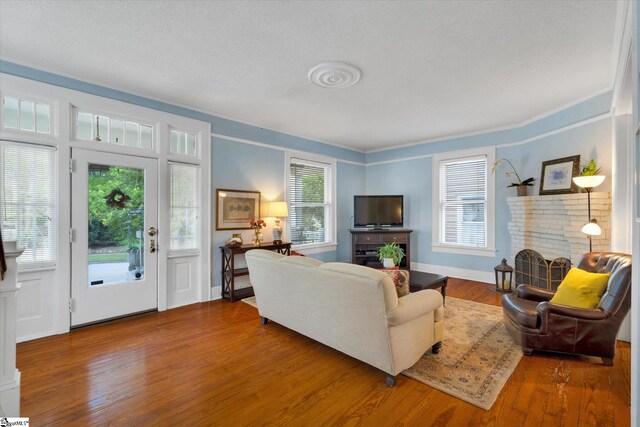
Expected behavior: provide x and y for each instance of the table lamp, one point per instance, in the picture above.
(277, 210)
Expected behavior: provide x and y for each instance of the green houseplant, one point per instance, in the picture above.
(390, 254)
(590, 169)
(520, 185)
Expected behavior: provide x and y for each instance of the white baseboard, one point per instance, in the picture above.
(216, 293)
(458, 273)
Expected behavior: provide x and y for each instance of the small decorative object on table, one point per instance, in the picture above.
(520, 185)
(235, 240)
(390, 255)
(257, 225)
(503, 284)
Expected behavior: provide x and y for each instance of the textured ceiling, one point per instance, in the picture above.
(429, 69)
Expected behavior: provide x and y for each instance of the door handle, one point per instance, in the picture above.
(152, 246)
(152, 231)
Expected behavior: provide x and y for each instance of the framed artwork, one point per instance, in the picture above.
(557, 175)
(235, 208)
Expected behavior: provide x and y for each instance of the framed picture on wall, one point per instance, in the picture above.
(557, 175)
(235, 208)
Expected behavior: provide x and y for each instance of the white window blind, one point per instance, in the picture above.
(28, 201)
(184, 207)
(310, 202)
(463, 202)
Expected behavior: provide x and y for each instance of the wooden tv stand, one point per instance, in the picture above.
(365, 243)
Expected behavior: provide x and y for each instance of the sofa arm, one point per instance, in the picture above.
(545, 308)
(413, 306)
(533, 294)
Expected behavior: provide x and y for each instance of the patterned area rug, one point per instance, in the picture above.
(477, 357)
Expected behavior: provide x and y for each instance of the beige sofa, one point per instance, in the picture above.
(351, 308)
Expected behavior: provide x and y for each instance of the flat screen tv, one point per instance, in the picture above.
(378, 211)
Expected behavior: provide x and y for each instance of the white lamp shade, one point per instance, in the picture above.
(590, 181)
(277, 210)
(592, 229)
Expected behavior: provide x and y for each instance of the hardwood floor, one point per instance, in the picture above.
(214, 364)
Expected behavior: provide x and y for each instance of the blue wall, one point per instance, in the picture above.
(413, 177)
(239, 165)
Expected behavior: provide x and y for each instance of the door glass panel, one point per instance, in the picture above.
(116, 223)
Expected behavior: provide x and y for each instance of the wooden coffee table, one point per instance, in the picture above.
(419, 280)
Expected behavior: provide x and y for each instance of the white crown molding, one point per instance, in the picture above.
(402, 159)
(496, 129)
(276, 147)
(623, 44)
(168, 102)
(511, 144)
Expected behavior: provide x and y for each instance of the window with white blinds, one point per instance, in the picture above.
(184, 207)
(463, 202)
(311, 201)
(28, 201)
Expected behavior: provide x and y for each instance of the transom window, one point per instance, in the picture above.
(311, 197)
(182, 143)
(26, 115)
(100, 128)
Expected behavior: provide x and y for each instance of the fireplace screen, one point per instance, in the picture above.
(532, 269)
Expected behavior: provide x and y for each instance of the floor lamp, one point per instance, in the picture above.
(590, 182)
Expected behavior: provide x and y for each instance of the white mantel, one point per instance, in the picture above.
(551, 224)
(9, 375)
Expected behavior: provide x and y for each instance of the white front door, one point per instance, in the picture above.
(114, 217)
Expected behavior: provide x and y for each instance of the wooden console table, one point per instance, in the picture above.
(229, 272)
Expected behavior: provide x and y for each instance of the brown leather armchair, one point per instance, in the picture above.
(537, 324)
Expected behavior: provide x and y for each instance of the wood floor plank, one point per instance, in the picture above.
(215, 364)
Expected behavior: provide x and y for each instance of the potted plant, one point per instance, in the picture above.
(589, 176)
(390, 255)
(520, 185)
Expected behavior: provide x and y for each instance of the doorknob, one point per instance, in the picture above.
(152, 231)
(152, 246)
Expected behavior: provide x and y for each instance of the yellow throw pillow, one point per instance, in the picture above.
(581, 289)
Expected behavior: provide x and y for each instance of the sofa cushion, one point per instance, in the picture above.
(581, 289)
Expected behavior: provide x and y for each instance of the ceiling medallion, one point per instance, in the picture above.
(334, 75)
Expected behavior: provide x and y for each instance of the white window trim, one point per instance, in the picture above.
(437, 245)
(311, 248)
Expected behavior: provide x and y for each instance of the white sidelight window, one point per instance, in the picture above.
(28, 201)
(184, 207)
(464, 203)
(311, 197)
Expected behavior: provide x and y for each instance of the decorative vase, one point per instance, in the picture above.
(388, 263)
(257, 238)
(523, 190)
